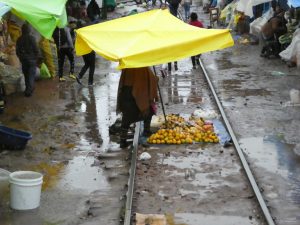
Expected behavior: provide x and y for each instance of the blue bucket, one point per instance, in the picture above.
(13, 139)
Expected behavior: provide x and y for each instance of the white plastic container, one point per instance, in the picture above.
(295, 96)
(25, 189)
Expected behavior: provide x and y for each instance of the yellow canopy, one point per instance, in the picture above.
(149, 38)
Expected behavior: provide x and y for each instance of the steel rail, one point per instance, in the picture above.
(128, 207)
(243, 160)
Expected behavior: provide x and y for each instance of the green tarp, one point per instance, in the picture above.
(43, 15)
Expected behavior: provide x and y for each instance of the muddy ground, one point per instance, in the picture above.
(193, 183)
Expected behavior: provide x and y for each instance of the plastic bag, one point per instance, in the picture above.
(44, 72)
(49, 52)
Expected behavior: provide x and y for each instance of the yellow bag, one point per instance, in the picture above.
(49, 52)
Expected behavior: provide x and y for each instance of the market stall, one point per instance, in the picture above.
(159, 39)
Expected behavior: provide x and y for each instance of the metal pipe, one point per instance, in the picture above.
(161, 100)
(128, 209)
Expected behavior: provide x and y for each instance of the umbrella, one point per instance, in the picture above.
(294, 3)
(43, 15)
(148, 39)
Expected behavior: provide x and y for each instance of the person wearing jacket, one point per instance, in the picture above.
(137, 93)
(65, 47)
(195, 22)
(28, 54)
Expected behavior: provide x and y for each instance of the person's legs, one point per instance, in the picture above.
(169, 67)
(85, 66)
(194, 62)
(125, 124)
(175, 65)
(61, 61)
(29, 71)
(92, 61)
(198, 59)
(31, 77)
(173, 9)
(25, 70)
(69, 53)
(147, 123)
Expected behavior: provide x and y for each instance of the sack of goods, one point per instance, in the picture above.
(49, 52)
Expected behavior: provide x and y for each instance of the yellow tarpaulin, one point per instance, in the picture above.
(149, 38)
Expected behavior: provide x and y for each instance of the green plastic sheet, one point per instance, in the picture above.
(43, 15)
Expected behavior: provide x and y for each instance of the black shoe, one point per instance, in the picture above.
(175, 66)
(27, 94)
(78, 80)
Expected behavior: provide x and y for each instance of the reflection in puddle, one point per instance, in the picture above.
(80, 174)
(99, 104)
(197, 219)
(271, 154)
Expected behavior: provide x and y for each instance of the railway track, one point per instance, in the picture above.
(130, 210)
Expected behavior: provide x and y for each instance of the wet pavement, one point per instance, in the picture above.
(191, 183)
(256, 99)
(84, 169)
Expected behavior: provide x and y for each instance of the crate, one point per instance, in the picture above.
(13, 139)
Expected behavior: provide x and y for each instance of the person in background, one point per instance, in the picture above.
(137, 93)
(93, 11)
(65, 47)
(173, 7)
(89, 63)
(195, 22)
(28, 54)
(187, 7)
(271, 31)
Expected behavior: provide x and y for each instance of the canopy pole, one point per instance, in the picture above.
(161, 100)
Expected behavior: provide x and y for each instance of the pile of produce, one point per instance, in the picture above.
(177, 130)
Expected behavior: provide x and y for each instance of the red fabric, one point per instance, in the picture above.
(196, 23)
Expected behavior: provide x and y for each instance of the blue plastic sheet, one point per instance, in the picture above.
(221, 132)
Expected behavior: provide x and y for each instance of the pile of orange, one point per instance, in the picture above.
(179, 131)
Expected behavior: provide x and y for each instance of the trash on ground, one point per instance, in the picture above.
(145, 156)
(205, 114)
(277, 73)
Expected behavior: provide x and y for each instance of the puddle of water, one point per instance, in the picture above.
(98, 105)
(271, 154)
(275, 156)
(197, 219)
(80, 174)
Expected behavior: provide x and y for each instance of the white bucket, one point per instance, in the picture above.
(295, 96)
(25, 189)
